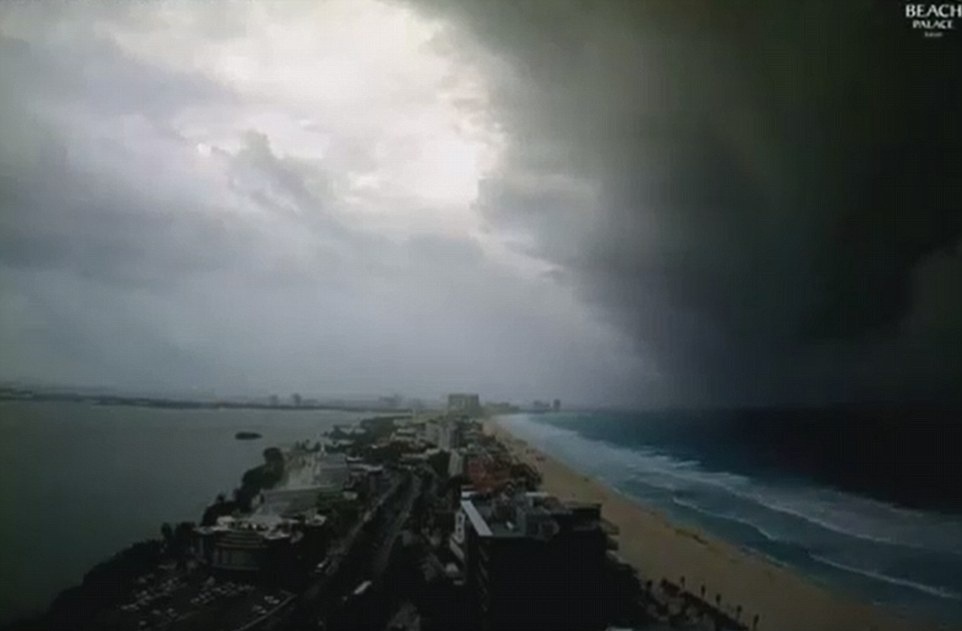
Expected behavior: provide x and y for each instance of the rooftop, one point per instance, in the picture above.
(533, 515)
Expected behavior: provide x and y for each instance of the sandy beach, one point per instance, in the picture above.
(783, 600)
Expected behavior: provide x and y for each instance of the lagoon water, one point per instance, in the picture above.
(828, 500)
(80, 482)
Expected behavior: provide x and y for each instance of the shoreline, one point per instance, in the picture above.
(179, 404)
(658, 548)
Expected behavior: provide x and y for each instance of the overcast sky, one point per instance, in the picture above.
(640, 203)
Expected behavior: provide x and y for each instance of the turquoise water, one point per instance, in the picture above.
(80, 482)
(697, 472)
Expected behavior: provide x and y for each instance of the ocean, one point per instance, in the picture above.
(864, 501)
(81, 481)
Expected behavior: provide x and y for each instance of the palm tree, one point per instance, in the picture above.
(718, 600)
(738, 612)
(703, 591)
(755, 622)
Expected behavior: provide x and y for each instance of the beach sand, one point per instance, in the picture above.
(783, 600)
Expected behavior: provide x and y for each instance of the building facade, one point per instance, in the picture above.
(532, 562)
(462, 403)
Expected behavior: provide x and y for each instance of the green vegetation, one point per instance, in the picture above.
(255, 480)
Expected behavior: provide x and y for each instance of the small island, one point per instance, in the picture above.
(247, 435)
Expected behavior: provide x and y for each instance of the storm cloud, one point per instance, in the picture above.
(636, 202)
(766, 197)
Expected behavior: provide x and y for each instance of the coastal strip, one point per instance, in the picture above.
(739, 581)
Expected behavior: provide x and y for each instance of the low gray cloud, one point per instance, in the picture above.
(163, 228)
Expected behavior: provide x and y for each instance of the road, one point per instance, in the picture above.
(322, 595)
(383, 555)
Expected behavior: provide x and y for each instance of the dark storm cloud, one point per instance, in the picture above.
(763, 198)
(769, 179)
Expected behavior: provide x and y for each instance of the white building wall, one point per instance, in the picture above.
(456, 463)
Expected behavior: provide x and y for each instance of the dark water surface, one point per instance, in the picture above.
(79, 482)
(864, 502)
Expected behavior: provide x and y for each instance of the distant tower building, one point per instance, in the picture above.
(556, 405)
(296, 400)
(275, 401)
(469, 404)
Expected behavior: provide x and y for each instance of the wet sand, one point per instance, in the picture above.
(782, 599)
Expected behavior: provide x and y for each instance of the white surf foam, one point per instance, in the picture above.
(902, 582)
